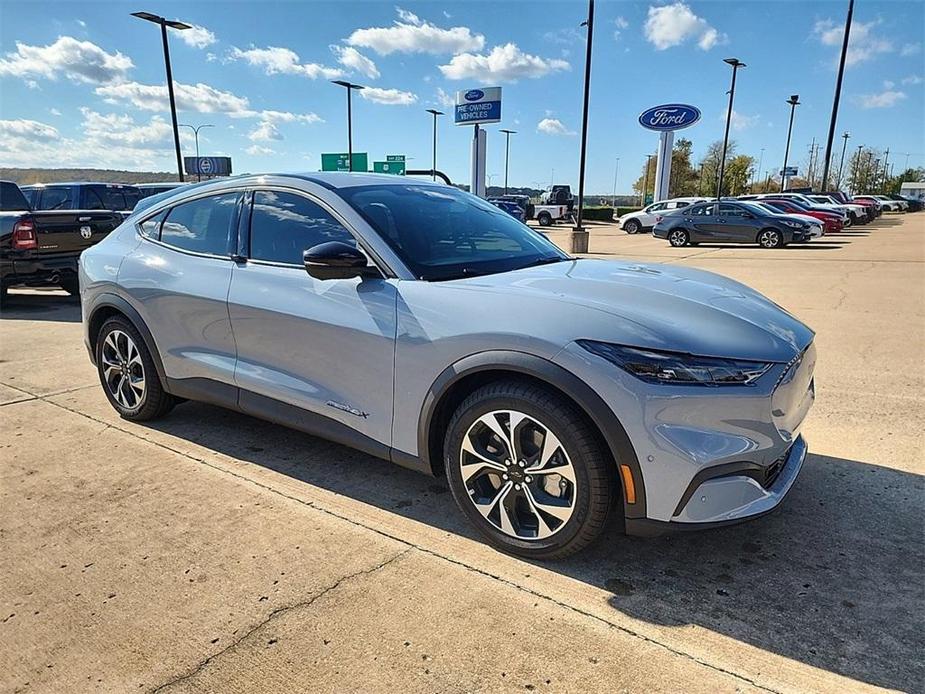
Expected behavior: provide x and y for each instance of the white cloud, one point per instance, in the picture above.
(444, 99)
(351, 58)
(392, 97)
(265, 131)
(54, 112)
(884, 99)
(80, 61)
(912, 79)
(409, 17)
(553, 126)
(121, 130)
(190, 97)
(910, 49)
(275, 60)
(28, 129)
(863, 44)
(740, 121)
(411, 35)
(196, 36)
(621, 23)
(258, 151)
(505, 63)
(672, 25)
(82, 23)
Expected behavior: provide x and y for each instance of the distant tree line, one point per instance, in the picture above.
(28, 176)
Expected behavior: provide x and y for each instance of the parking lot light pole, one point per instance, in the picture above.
(757, 171)
(856, 188)
(794, 101)
(435, 113)
(179, 26)
(838, 81)
(507, 153)
(736, 64)
(841, 164)
(886, 159)
(616, 168)
(579, 237)
(196, 135)
(349, 86)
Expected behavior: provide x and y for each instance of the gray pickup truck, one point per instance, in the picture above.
(41, 248)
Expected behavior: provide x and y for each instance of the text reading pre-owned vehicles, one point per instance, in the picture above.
(437, 331)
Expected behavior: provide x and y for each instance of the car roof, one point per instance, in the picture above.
(80, 183)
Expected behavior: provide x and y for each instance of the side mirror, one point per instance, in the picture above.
(336, 260)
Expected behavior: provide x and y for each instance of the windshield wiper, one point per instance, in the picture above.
(545, 261)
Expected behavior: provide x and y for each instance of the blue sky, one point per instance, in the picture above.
(82, 84)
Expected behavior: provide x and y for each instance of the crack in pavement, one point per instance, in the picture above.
(33, 396)
(273, 615)
(411, 545)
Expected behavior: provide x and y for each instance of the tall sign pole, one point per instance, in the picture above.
(838, 81)
(477, 107)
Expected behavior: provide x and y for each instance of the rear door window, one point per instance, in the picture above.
(201, 226)
(56, 199)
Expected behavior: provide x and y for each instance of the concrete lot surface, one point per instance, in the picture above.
(212, 552)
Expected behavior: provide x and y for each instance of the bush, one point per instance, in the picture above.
(597, 214)
(626, 210)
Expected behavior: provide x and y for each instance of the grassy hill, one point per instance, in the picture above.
(26, 176)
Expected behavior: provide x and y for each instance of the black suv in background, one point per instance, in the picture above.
(730, 222)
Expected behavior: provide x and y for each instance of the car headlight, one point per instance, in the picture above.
(675, 368)
(794, 225)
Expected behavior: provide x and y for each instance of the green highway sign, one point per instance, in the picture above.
(337, 161)
(389, 167)
(394, 157)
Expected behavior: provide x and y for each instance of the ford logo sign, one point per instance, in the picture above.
(474, 94)
(669, 117)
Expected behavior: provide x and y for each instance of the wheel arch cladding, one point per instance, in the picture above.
(457, 381)
(109, 305)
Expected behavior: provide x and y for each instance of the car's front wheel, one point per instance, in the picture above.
(678, 238)
(528, 470)
(632, 227)
(127, 372)
(770, 238)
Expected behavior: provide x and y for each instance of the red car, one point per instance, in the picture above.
(831, 222)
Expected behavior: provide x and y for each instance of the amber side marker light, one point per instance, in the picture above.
(629, 488)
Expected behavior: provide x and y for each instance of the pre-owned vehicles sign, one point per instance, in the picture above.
(669, 117)
(475, 106)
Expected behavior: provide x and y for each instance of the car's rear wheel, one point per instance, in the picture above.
(678, 238)
(544, 218)
(528, 470)
(127, 372)
(631, 227)
(770, 238)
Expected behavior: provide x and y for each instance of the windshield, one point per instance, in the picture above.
(442, 233)
(759, 210)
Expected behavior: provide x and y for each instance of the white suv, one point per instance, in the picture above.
(644, 219)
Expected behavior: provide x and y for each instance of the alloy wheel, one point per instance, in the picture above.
(677, 238)
(518, 475)
(769, 239)
(123, 370)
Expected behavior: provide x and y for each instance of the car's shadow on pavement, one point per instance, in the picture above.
(44, 305)
(833, 579)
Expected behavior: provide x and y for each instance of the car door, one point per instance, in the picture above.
(325, 346)
(647, 217)
(735, 223)
(178, 277)
(701, 220)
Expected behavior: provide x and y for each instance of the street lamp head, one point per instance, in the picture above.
(735, 62)
(348, 85)
(508, 132)
(846, 135)
(157, 19)
(435, 112)
(794, 99)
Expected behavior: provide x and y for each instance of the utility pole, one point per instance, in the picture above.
(886, 158)
(838, 81)
(756, 173)
(856, 188)
(579, 237)
(812, 163)
(841, 165)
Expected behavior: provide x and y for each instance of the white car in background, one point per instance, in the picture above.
(857, 212)
(644, 219)
(889, 204)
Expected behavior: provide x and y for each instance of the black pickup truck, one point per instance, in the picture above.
(39, 249)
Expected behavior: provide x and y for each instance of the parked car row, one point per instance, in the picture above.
(770, 220)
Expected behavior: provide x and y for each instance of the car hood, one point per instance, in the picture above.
(656, 306)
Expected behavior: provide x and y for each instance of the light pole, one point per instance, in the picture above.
(196, 135)
(349, 86)
(579, 238)
(507, 153)
(179, 26)
(736, 64)
(841, 164)
(886, 158)
(794, 100)
(757, 171)
(856, 188)
(645, 181)
(616, 168)
(435, 113)
(841, 73)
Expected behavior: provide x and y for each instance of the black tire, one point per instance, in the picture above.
(545, 219)
(71, 286)
(594, 487)
(770, 238)
(632, 227)
(848, 221)
(679, 238)
(154, 401)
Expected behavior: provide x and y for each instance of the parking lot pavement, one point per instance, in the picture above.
(213, 552)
